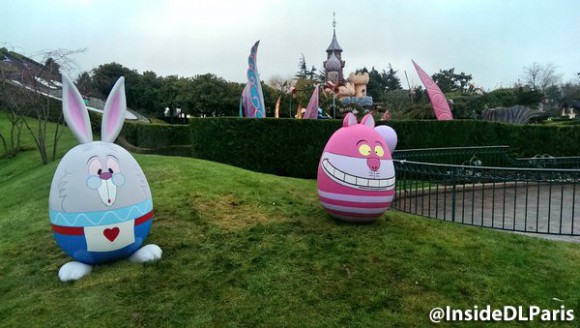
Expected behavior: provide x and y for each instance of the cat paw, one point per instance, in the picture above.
(146, 253)
(74, 271)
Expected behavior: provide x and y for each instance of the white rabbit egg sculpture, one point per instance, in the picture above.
(100, 203)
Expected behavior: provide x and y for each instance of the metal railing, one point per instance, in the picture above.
(499, 156)
(486, 155)
(547, 161)
(526, 199)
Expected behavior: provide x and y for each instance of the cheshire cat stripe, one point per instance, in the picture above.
(356, 207)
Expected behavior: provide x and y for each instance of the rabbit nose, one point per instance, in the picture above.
(105, 175)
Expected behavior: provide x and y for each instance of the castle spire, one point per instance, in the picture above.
(334, 46)
(334, 64)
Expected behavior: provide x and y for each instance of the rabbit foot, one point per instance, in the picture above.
(146, 253)
(73, 271)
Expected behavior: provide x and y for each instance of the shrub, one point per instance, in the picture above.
(525, 140)
(286, 147)
(290, 147)
(420, 111)
(155, 135)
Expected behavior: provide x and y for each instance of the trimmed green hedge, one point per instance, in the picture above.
(284, 146)
(456, 133)
(156, 135)
(292, 147)
(525, 140)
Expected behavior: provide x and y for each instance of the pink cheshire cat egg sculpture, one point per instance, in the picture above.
(356, 176)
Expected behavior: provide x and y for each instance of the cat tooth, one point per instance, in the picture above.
(373, 183)
(362, 182)
(383, 182)
(349, 179)
(328, 167)
(339, 175)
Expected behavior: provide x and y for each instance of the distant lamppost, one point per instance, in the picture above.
(333, 105)
(290, 107)
(334, 88)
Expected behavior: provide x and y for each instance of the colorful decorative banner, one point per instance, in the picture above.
(253, 98)
(277, 108)
(299, 111)
(438, 100)
(312, 108)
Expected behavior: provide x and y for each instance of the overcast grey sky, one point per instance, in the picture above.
(491, 39)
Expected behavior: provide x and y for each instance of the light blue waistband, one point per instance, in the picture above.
(87, 219)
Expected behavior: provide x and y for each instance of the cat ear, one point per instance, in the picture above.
(75, 112)
(349, 120)
(114, 113)
(389, 135)
(368, 120)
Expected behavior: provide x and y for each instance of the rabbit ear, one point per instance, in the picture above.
(115, 109)
(75, 112)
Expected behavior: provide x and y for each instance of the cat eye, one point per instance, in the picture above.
(364, 150)
(379, 151)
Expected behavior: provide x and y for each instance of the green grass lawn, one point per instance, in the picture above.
(243, 249)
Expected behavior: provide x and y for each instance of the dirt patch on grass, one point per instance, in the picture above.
(232, 212)
(165, 174)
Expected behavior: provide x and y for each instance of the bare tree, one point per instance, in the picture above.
(570, 92)
(541, 77)
(10, 139)
(280, 83)
(34, 94)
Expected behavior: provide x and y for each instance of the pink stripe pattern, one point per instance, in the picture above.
(438, 100)
(312, 108)
(356, 207)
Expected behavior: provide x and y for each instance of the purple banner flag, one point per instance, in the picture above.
(312, 108)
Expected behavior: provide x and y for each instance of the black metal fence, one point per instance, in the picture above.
(527, 199)
(498, 156)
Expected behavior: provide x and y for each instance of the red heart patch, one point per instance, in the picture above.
(111, 233)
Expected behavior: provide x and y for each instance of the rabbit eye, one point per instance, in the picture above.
(113, 165)
(95, 167)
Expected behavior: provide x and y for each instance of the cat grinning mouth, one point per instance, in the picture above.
(355, 181)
